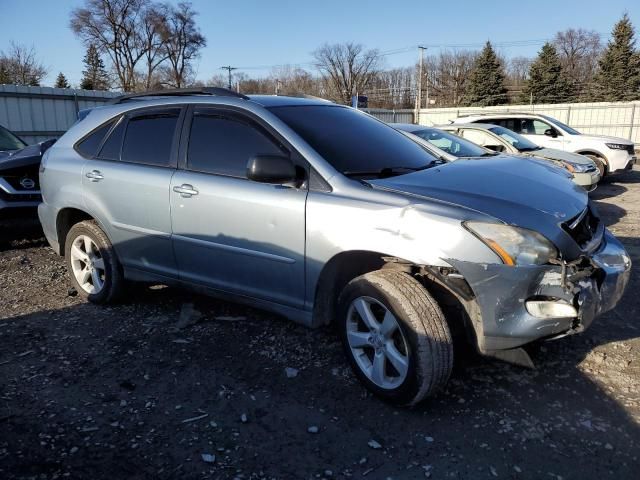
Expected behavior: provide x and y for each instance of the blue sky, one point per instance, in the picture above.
(254, 34)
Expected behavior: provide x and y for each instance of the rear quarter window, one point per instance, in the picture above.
(88, 147)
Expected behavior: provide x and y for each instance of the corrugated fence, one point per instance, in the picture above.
(39, 113)
(618, 119)
(392, 116)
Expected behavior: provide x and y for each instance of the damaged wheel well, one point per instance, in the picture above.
(450, 290)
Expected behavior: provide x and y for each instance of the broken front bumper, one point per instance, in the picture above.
(498, 310)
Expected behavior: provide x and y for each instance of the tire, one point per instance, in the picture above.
(600, 163)
(422, 336)
(101, 269)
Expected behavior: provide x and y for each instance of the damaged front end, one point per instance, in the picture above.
(516, 304)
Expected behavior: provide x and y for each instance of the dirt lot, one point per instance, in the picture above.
(174, 385)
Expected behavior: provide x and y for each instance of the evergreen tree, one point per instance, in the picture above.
(94, 77)
(5, 76)
(61, 81)
(618, 78)
(547, 82)
(486, 82)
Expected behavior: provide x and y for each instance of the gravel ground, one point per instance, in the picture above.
(176, 385)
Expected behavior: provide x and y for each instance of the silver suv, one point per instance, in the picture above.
(324, 214)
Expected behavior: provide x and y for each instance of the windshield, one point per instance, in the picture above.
(451, 143)
(563, 126)
(354, 142)
(8, 141)
(517, 141)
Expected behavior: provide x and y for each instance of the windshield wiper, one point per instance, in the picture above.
(390, 171)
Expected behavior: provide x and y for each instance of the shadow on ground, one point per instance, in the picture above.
(134, 391)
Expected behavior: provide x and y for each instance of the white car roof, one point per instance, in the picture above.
(466, 118)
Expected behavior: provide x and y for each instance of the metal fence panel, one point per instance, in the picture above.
(618, 119)
(391, 116)
(39, 113)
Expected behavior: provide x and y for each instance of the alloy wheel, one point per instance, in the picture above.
(87, 264)
(377, 343)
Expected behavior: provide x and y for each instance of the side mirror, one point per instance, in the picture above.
(275, 169)
(495, 148)
(550, 132)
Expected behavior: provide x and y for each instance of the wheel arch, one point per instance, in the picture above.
(68, 217)
(336, 273)
(452, 293)
(593, 151)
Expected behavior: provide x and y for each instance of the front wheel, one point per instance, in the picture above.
(600, 163)
(395, 336)
(92, 263)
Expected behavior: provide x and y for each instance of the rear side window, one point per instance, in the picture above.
(89, 146)
(149, 137)
(222, 143)
(111, 148)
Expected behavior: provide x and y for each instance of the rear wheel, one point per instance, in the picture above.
(395, 336)
(92, 263)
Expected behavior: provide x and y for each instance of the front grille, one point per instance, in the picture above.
(631, 149)
(19, 177)
(582, 227)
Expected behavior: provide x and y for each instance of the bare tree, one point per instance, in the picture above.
(289, 79)
(114, 27)
(20, 66)
(182, 42)
(393, 88)
(518, 70)
(154, 36)
(447, 75)
(347, 68)
(579, 51)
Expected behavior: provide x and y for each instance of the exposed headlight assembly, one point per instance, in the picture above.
(514, 245)
(575, 167)
(617, 146)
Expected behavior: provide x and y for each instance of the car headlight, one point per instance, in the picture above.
(617, 146)
(575, 167)
(514, 245)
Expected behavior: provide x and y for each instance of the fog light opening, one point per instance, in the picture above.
(550, 309)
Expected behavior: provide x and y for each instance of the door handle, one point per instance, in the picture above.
(94, 175)
(185, 190)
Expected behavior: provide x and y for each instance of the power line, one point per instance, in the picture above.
(409, 48)
(229, 68)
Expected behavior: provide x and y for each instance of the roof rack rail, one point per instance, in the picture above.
(179, 92)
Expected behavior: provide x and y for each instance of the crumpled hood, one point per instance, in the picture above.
(30, 155)
(554, 154)
(528, 193)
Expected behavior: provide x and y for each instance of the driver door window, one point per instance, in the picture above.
(535, 127)
(222, 144)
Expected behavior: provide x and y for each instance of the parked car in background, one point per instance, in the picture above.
(19, 183)
(484, 140)
(610, 154)
(448, 143)
(324, 214)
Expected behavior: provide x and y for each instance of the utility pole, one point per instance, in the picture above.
(229, 68)
(419, 94)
